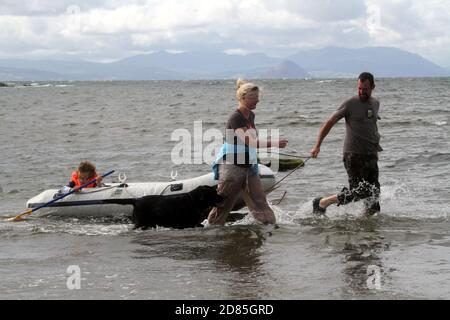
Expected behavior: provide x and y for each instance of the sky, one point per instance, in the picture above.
(108, 30)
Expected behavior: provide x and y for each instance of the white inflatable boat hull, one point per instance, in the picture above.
(88, 202)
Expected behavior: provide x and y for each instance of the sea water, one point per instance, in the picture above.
(47, 129)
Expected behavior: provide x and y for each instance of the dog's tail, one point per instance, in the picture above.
(129, 201)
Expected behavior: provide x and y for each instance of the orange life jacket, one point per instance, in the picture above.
(78, 183)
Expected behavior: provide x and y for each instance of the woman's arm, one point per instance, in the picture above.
(248, 136)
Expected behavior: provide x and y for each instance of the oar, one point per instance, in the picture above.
(21, 216)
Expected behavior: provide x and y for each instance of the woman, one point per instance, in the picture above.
(236, 166)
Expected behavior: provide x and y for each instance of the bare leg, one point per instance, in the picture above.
(328, 201)
(320, 205)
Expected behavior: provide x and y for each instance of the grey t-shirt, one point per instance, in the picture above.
(237, 121)
(362, 135)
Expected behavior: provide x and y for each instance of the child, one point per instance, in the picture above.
(86, 172)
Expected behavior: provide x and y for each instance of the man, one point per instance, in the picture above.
(361, 147)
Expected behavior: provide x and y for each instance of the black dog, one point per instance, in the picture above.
(185, 210)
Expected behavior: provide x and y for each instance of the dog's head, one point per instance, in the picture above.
(206, 196)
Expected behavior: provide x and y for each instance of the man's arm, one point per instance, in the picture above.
(324, 130)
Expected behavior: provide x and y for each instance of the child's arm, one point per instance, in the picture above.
(99, 182)
(72, 185)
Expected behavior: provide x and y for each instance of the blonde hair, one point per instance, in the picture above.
(244, 87)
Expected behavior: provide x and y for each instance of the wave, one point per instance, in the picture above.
(36, 85)
(435, 158)
(325, 81)
(412, 123)
(312, 102)
(400, 203)
(39, 85)
(77, 227)
(439, 157)
(345, 218)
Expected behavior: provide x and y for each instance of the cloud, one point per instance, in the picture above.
(112, 29)
(417, 26)
(327, 10)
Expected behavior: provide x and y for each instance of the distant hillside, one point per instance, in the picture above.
(383, 62)
(324, 63)
(207, 64)
(156, 66)
(285, 70)
(20, 74)
(83, 70)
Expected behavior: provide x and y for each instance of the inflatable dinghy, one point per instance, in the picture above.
(90, 202)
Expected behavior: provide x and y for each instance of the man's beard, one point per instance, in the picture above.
(363, 97)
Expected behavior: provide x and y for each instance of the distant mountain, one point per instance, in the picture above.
(207, 64)
(285, 70)
(382, 61)
(327, 62)
(21, 74)
(155, 66)
(82, 70)
(72, 70)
